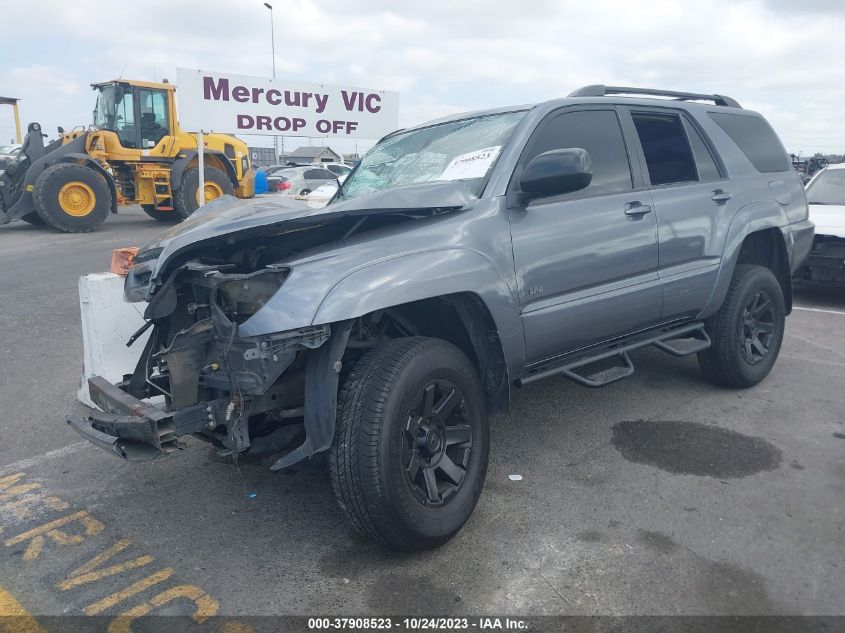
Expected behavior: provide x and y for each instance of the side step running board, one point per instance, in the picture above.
(678, 341)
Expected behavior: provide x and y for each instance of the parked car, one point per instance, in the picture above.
(272, 169)
(9, 153)
(300, 180)
(462, 259)
(826, 195)
(321, 196)
(278, 184)
(339, 169)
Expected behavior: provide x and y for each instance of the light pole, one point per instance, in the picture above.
(273, 49)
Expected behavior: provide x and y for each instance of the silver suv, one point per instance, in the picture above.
(461, 259)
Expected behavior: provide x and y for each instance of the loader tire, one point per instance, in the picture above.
(185, 199)
(409, 455)
(72, 198)
(33, 218)
(162, 216)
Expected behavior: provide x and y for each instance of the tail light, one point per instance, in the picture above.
(283, 185)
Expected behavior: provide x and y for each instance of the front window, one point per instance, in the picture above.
(827, 188)
(115, 111)
(459, 150)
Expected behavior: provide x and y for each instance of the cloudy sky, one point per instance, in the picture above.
(783, 58)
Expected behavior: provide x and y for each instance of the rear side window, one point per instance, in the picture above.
(756, 139)
(598, 132)
(666, 148)
(707, 168)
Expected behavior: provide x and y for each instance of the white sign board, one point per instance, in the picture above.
(218, 102)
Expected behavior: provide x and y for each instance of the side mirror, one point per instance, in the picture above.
(557, 172)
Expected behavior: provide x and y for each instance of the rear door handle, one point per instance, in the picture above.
(720, 196)
(636, 209)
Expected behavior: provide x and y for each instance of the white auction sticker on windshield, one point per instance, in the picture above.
(472, 165)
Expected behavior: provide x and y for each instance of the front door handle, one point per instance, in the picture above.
(636, 210)
(720, 196)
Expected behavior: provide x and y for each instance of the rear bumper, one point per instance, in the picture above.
(127, 427)
(826, 262)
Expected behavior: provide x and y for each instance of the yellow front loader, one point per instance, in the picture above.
(135, 153)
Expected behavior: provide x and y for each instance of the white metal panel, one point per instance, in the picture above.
(107, 323)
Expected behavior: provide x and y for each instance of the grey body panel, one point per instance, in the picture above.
(585, 271)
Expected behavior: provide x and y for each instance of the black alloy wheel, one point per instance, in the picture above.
(437, 443)
(758, 327)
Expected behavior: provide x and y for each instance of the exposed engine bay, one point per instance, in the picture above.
(250, 395)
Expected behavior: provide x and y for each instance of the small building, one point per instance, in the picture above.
(309, 155)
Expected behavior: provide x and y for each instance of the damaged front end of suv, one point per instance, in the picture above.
(381, 329)
(215, 382)
(246, 388)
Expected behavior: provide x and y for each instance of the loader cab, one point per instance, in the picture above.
(140, 114)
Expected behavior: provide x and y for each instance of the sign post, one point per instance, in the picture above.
(201, 167)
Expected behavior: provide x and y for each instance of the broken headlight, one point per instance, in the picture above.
(136, 287)
(245, 295)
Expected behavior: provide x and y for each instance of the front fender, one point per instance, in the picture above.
(417, 276)
(753, 217)
(177, 169)
(393, 281)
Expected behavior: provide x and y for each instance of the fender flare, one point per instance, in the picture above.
(321, 384)
(398, 280)
(750, 218)
(181, 164)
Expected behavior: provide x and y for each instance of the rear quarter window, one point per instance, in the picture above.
(756, 139)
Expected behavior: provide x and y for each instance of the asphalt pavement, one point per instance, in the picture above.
(660, 494)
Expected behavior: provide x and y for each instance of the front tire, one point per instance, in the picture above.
(410, 452)
(747, 331)
(72, 198)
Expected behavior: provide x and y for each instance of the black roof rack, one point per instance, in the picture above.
(599, 90)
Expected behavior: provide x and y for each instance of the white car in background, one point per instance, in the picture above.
(320, 197)
(826, 195)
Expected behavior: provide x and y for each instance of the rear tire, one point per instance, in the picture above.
(409, 456)
(747, 331)
(185, 200)
(72, 198)
(304, 192)
(162, 216)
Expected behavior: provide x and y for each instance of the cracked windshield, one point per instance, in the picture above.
(459, 150)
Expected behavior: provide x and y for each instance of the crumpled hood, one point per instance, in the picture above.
(229, 215)
(829, 219)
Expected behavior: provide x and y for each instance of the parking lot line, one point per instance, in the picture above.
(839, 312)
(23, 464)
(14, 618)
